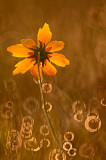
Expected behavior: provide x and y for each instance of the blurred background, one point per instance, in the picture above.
(76, 95)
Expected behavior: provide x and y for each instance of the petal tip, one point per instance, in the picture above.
(13, 73)
(8, 48)
(68, 62)
(46, 24)
(63, 43)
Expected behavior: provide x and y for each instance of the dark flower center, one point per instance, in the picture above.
(43, 53)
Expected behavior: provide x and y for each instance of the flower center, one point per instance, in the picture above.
(43, 53)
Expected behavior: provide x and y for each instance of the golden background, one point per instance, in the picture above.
(81, 24)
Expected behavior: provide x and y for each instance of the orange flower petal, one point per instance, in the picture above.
(49, 69)
(34, 71)
(55, 46)
(58, 59)
(24, 66)
(19, 51)
(29, 43)
(44, 35)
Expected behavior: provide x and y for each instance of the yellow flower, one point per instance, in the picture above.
(29, 49)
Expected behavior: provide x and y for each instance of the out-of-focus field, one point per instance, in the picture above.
(78, 95)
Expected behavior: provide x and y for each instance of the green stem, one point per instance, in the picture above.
(43, 106)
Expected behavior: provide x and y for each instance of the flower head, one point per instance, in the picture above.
(29, 50)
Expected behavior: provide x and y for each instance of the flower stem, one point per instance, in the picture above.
(43, 106)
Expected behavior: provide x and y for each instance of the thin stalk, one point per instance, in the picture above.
(43, 106)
